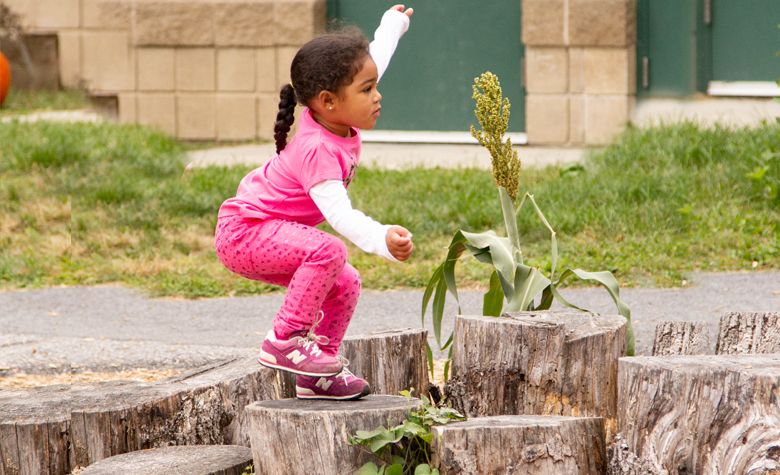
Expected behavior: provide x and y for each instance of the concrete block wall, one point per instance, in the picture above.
(211, 69)
(579, 69)
(197, 69)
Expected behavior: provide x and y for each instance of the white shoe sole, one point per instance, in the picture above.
(268, 364)
(359, 395)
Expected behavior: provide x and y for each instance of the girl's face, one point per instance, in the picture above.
(356, 104)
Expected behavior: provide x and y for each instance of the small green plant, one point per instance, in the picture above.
(406, 448)
(512, 280)
(765, 176)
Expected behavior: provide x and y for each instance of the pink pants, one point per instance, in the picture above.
(312, 265)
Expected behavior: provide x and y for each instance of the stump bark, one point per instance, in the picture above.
(294, 436)
(521, 444)
(544, 363)
(178, 460)
(681, 338)
(702, 414)
(742, 333)
(390, 361)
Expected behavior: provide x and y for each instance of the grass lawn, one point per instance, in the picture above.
(21, 101)
(95, 203)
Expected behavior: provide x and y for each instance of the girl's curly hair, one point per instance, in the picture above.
(326, 63)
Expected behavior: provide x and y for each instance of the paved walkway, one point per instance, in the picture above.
(110, 328)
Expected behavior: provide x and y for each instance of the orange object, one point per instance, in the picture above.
(5, 78)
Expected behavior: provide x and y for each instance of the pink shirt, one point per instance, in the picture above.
(280, 188)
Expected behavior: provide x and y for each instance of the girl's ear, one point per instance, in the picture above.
(326, 101)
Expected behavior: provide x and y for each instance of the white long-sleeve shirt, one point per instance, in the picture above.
(331, 196)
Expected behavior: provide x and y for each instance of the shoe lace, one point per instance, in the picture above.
(345, 372)
(312, 341)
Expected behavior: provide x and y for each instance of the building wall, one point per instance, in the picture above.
(211, 69)
(197, 69)
(580, 68)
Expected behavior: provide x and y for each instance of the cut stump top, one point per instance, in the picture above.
(183, 459)
(369, 403)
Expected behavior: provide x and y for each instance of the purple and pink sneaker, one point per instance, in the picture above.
(300, 355)
(343, 387)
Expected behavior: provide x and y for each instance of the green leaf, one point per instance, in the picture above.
(608, 281)
(369, 468)
(500, 251)
(429, 351)
(422, 469)
(438, 309)
(529, 282)
(547, 298)
(397, 459)
(395, 469)
(386, 438)
(429, 291)
(493, 302)
(508, 210)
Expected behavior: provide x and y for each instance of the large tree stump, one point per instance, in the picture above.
(546, 363)
(390, 361)
(205, 406)
(521, 444)
(702, 414)
(308, 436)
(681, 338)
(743, 333)
(179, 460)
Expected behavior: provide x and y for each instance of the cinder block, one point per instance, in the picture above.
(127, 112)
(284, 57)
(606, 117)
(547, 118)
(57, 14)
(156, 69)
(602, 22)
(236, 117)
(543, 22)
(70, 58)
(576, 70)
(174, 23)
(236, 69)
(107, 61)
(610, 70)
(106, 14)
(298, 21)
(266, 69)
(157, 110)
(546, 69)
(245, 23)
(196, 116)
(195, 69)
(267, 108)
(576, 119)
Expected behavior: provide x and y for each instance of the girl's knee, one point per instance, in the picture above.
(331, 249)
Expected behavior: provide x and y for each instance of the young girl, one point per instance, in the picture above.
(266, 232)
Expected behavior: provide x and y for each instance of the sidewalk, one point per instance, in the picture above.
(111, 328)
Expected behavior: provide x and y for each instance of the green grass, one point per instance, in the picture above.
(21, 101)
(88, 204)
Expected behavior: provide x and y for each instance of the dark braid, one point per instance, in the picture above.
(326, 63)
(285, 117)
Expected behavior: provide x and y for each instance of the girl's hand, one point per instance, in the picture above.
(399, 242)
(409, 11)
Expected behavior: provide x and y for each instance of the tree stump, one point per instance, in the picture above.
(681, 338)
(521, 444)
(179, 460)
(702, 414)
(202, 407)
(390, 361)
(621, 460)
(544, 363)
(294, 436)
(744, 333)
(34, 440)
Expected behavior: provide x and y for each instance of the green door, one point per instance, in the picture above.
(449, 43)
(683, 45)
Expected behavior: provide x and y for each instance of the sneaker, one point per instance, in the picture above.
(300, 355)
(343, 387)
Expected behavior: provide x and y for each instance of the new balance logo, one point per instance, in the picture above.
(324, 383)
(296, 356)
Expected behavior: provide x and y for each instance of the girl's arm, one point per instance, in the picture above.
(332, 199)
(394, 24)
